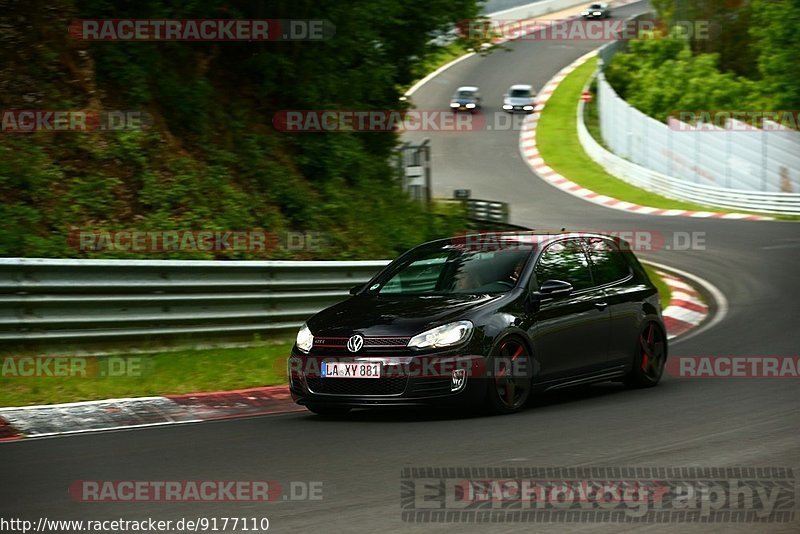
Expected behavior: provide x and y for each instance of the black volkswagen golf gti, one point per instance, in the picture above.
(484, 319)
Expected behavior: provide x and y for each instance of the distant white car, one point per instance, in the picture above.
(597, 11)
(519, 98)
(466, 98)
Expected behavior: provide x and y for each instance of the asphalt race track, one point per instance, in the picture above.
(683, 422)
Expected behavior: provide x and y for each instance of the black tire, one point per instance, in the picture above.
(507, 392)
(328, 411)
(649, 357)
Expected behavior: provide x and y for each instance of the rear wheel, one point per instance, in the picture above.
(510, 379)
(329, 411)
(651, 354)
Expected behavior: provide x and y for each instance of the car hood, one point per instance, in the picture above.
(464, 101)
(376, 315)
(517, 101)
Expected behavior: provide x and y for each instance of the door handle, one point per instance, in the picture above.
(601, 305)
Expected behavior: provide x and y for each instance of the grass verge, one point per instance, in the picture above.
(557, 140)
(138, 375)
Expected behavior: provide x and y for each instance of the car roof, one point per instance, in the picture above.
(467, 88)
(521, 86)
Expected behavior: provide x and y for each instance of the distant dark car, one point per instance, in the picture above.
(482, 319)
(597, 11)
(467, 98)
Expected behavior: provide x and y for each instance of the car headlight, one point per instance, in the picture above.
(470, 106)
(527, 108)
(597, 13)
(453, 104)
(304, 339)
(442, 336)
(584, 13)
(507, 106)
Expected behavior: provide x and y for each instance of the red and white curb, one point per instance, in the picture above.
(686, 309)
(530, 153)
(116, 414)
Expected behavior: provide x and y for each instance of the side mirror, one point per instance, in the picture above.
(355, 289)
(555, 288)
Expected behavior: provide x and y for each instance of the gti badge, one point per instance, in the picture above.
(355, 343)
(459, 379)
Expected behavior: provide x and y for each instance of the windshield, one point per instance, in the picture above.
(447, 269)
(596, 6)
(520, 93)
(465, 94)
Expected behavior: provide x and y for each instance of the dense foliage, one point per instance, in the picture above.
(211, 158)
(750, 61)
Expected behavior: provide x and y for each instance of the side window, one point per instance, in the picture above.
(608, 263)
(565, 261)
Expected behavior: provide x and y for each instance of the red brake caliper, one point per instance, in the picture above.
(509, 392)
(648, 344)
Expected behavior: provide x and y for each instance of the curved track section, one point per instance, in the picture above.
(683, 422)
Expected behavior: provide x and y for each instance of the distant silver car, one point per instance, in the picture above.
(597, 11)
(466, 98)
(519, 98)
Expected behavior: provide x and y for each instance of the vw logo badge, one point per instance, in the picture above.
(355, 343)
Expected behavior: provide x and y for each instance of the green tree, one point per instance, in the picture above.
(661, 76)
(776, 32)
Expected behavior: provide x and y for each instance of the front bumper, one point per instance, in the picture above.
(463, 107)
(445, 379)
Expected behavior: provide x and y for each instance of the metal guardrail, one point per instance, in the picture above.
(48, 301)
(487, 211)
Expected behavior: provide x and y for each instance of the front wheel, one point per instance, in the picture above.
(510, 377)
(329, 411)
(649, 359)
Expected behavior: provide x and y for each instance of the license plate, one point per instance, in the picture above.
(351, 370)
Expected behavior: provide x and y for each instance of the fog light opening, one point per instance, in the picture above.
(458, 380)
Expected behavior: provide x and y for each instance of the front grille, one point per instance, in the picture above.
(357, 386)
(329, 342)
(334, 345)
(386, 341)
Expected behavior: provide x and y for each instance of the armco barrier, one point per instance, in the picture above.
(487, 211)
(45, 301)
